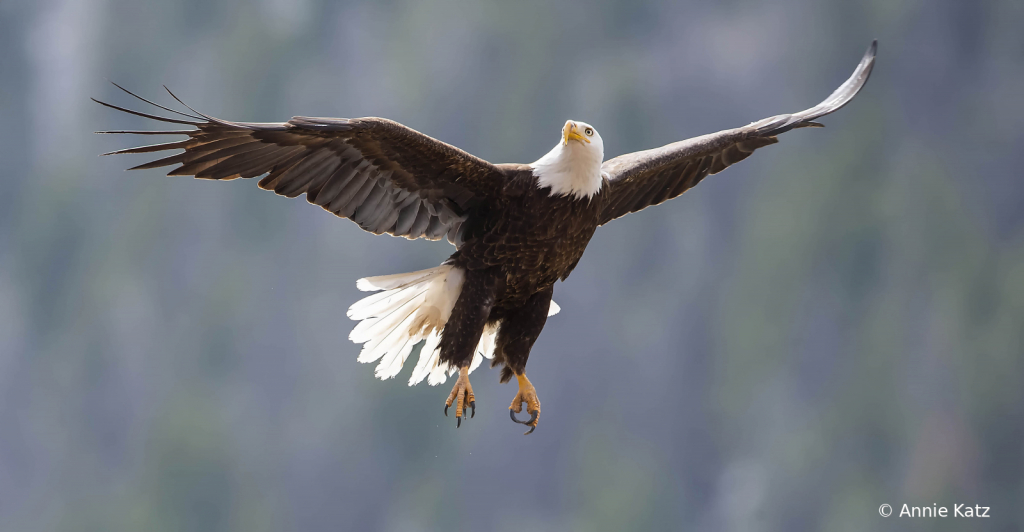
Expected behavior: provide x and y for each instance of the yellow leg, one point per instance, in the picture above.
(527, 394)
(462, 395)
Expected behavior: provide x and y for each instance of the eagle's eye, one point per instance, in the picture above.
(589, 132)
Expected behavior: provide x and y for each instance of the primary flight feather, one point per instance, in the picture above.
(517, 228)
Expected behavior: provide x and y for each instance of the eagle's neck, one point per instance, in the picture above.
(570, 169)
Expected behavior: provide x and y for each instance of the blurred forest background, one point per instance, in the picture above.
(834, 324)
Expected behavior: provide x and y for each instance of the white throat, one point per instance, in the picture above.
(572, 168)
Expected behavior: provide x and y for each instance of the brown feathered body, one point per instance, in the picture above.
(535, 238)
(513, 252)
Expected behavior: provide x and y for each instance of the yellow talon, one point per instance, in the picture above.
(462, 396)
(527, 394)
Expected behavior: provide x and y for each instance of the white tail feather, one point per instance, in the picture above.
(414, 307)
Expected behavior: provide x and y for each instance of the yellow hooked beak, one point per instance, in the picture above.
(571, 132)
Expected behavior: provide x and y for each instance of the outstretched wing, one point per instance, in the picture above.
(641, 179)
(382, 175)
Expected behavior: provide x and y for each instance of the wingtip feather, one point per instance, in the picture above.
(130, 93)
(843, 95)
(145, 115)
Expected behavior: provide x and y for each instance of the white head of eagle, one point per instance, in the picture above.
(573, 166)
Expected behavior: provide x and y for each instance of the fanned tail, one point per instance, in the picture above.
(412, 308)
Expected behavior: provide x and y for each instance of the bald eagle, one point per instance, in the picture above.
(516, 228)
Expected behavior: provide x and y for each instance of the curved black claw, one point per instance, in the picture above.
(533, 418)
(458, 422)
(472, 404)
(446, 410)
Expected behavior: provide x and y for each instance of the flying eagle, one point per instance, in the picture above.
(517, 228)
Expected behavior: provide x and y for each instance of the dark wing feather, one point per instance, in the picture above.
(641, 179)
(382, 175)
